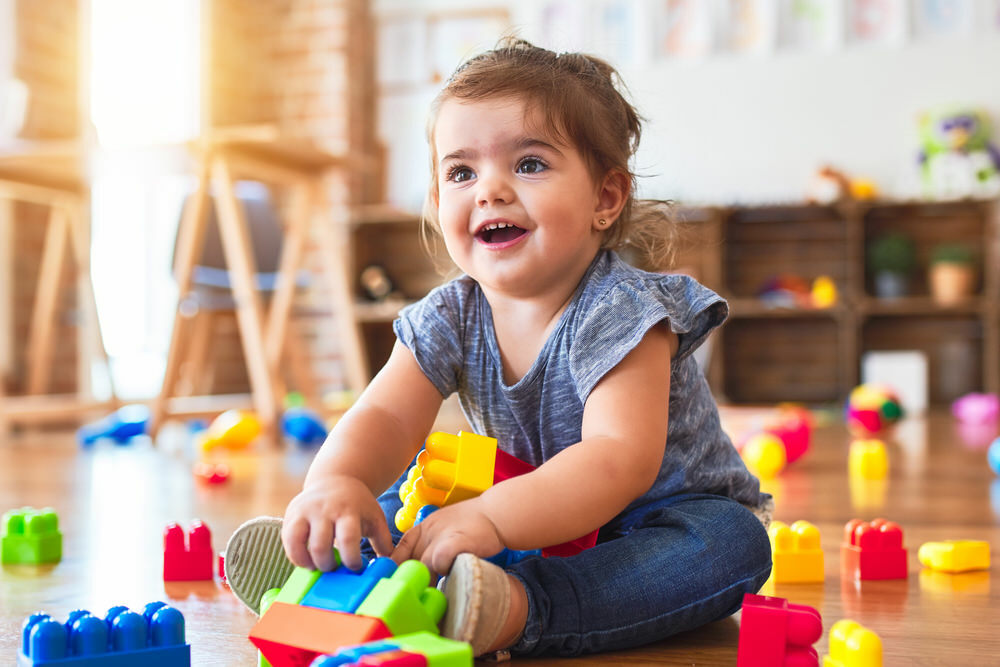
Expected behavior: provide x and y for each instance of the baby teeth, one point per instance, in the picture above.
(494, 225)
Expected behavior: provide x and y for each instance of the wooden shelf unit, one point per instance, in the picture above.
(766, 354)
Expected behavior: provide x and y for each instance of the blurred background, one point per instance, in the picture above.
(810, 146)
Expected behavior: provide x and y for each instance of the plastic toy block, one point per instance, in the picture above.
(344, 589)
(292, 635)
(30, 537)
(955, 555)
(764, 455)
(233, 429)
(796, 553)
(450, 468)
(873, 550)
(211, 473)
(405, 602)
(303, 427)
(852, 645)
(438, 651)
(777, 633)
(121, 426)
(123, 638)
(868, 459)
(299, 583)
(191, 560)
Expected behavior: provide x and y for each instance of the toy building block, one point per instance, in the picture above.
(191, 560)
(233, 429)
(450, 468)
(438, 651)
(291, 635)
(343, 589)
(303, 427)
(211, 473)
(122, 425)
(405, 602)
(30, 537)
(873, 550)
(868, 459)
(955, 555)
(796, 553)
(777, 633)
(764, 455)
(853, 645)
(154, 638)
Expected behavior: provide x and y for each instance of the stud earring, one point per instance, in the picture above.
(602, 222)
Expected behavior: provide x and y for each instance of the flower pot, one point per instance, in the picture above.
(891, 285)
(950, 283)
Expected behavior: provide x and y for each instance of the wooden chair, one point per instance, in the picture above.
(49, 173)
(258, 154)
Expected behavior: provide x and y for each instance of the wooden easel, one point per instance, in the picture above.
(260, 154)
(50, 174)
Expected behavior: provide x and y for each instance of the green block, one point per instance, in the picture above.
(266, 599)
(298, 584)
(439, 651)
(31, 537)
(405, 602)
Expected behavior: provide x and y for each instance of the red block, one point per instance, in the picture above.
(187, 557)
(506, 466)
(777, 633)
(290, 635)
(873, 550)
(396, 658)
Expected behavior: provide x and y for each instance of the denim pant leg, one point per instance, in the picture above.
(678, 563)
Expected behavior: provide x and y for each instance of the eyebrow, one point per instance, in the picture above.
(520, 144)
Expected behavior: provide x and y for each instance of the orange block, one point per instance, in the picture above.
(292, 636)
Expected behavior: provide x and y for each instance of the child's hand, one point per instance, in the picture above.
(335, 511)
(449, 531)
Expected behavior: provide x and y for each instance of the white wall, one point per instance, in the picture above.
(751, 128)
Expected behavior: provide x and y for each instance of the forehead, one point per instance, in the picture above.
(464, 123)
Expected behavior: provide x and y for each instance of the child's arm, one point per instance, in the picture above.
(363, 455)
(578, 490)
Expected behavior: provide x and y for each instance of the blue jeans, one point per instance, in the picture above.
(666, 567)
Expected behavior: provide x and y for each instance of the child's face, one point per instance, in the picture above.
(517, 205)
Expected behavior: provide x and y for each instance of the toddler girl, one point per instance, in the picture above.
(575, 361)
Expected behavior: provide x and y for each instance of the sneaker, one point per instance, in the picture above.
(478, 595)
(255, 560)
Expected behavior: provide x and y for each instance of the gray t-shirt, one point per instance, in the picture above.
(450, 333)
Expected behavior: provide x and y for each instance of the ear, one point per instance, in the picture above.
(613, 192)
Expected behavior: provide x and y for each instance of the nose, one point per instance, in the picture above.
(493, 188)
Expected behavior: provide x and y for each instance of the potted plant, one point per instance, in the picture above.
(952, 273)
(891, 259)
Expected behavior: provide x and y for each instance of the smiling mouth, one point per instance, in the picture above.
(503, 232)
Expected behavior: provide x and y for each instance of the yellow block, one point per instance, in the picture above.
(796, 554)
(853, 645)
(764, 455)
(955, 555)
(868, 459)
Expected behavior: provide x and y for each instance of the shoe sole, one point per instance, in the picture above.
(255, 560)
(476, 611)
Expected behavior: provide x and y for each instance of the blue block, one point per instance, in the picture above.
(344, 589)
(123, 638)
(121, 426)
(352, 654)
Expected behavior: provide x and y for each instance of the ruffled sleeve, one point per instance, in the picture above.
(432, 330)
(620, 318)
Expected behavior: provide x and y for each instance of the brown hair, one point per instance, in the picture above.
(580, 99)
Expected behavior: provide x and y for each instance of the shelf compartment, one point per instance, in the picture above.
(773, 360)
(953, 344)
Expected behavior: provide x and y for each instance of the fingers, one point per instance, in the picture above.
(294, 536)
(349, 542)
(406, 548)
(442, 556)
(379, 536)
(321, 545)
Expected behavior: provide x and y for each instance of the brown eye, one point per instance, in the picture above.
(531, 165)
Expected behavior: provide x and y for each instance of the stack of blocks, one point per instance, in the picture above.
(30, 537)
(316, 614)
(452, 468)
(123, 638)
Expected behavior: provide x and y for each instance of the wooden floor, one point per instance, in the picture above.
(113, 503)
